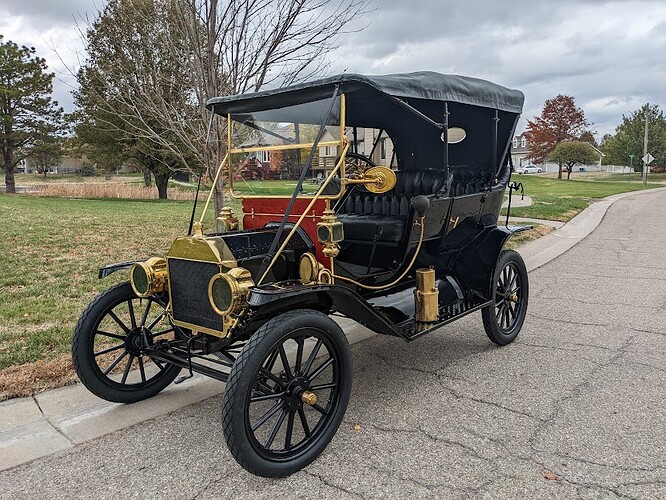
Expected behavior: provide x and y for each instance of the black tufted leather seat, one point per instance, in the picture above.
(469, 180)
(367, 216)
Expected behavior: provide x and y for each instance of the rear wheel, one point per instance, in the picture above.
(108, 348)
(287, 393)
(504, 319)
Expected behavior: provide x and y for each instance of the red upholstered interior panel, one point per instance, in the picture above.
(257, 212)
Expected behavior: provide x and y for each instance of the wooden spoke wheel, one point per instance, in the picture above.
(108, 348)
(287, 393)
(503, 320)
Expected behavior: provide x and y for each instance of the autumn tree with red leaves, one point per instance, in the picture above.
(560, 120)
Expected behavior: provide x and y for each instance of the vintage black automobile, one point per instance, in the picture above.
(378, 200)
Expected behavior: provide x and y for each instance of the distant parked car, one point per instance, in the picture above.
(529, 169)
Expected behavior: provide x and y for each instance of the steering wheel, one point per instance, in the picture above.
(356, 164)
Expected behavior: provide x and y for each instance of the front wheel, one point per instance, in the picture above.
(504, 319)
(110, 339)
(287, 393)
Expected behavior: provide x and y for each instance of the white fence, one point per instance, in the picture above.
(616, 169)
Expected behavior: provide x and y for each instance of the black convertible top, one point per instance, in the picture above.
(426, 85)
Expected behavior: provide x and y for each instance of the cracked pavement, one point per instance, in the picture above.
(574, 408)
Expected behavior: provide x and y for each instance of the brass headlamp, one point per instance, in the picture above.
(149, 277)
(227, 292)
(308, 268)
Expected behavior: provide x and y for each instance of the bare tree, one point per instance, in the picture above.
(180, 53)
(251, 44)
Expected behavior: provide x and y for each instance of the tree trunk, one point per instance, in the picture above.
(9, 181)
(161, 181)
(147, 181)
(9, 167)
(219, 186)
(568, 173)
(219, 200)
(559, 174)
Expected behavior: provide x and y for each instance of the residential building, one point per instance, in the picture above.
(519, 151)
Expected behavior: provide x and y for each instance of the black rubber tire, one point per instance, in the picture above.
(512, 261)
(84, 358)
(236, 420)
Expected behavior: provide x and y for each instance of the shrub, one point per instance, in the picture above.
(87, 171)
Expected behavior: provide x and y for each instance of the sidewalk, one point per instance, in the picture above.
(34, 427)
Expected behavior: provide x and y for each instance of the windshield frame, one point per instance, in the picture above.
(341, 143)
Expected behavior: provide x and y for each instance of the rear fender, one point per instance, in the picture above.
(477, 260)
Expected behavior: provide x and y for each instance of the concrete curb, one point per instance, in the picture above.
(539, 252)
(59, 419)
(38, 426)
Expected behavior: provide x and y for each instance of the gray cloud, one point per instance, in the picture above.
(45, 14)
(607, 54)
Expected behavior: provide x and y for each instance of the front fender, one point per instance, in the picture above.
(270, 300)
(104, 271)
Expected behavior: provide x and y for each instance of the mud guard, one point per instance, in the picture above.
(104, 271)
(477, 260)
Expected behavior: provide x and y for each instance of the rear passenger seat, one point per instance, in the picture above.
(468, 179)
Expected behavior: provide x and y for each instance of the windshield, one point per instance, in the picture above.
(269, 150)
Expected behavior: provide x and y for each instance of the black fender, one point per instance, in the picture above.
(269, 300)
(104, 271)
(477, 260)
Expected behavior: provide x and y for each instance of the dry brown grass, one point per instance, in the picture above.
(118, 190)
(537, 231)
(35, 377)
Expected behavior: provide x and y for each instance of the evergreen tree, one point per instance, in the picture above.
(628, 139)
(28, 114)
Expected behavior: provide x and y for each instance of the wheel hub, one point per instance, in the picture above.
(134, 341)
(309, 398)
(297, 393)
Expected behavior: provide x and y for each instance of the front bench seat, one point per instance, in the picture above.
(383, 217)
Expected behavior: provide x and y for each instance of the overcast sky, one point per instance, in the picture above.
(609, 55)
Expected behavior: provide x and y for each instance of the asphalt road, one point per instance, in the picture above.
(575, 407)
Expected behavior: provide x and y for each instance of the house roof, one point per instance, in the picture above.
(426, 85)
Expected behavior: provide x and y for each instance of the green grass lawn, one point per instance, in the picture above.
(561, 200)
(274, 188)
(50, 251)
(607, 176)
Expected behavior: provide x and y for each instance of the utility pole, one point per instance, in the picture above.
(645, 144)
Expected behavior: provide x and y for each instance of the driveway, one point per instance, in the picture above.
(575, 407)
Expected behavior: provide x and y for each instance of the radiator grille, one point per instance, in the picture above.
(188, 282)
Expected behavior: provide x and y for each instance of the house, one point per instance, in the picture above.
(519, 151)
(66, 165)
(369, 142)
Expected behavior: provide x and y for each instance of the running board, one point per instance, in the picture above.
(411, 329)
